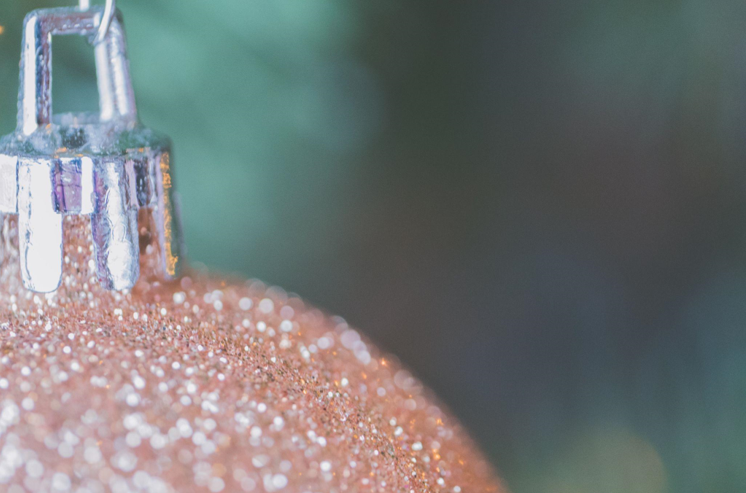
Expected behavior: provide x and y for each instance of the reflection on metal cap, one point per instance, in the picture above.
(106, 166)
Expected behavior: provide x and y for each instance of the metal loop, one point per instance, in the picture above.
(106, 17)
(117, 99)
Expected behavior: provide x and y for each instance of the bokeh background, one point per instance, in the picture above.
(539, 206)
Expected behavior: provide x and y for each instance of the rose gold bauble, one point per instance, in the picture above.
(206, 385)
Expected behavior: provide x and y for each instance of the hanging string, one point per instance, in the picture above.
(106, 17)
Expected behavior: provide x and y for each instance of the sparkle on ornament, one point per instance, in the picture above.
(203, 385)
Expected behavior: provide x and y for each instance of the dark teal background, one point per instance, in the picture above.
(539, 206)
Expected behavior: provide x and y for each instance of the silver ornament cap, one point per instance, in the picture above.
(106, 166)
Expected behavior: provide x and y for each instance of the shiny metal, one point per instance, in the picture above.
(105, 22)
(39, 226)
(116, 96)
(114, 226)
(106, 165)
(109, 9)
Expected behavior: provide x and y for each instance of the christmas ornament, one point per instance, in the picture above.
(119, 374)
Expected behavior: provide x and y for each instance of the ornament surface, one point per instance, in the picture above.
(174, 384)
(205, 385)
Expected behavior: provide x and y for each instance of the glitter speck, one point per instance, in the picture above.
(204, 385)
(279, 481)
(60, 481)
(266, 305)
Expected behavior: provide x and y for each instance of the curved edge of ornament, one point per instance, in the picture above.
(210, 381)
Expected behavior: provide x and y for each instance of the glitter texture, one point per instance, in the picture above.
(206, 385)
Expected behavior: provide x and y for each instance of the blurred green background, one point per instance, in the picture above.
(539, 206)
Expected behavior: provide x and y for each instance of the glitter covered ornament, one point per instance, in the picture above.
(178, 383)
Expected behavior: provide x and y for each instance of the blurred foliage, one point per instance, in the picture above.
(539, 206)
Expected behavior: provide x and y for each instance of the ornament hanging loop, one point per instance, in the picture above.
(116, 96)
(106, 17)
(106, 166)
